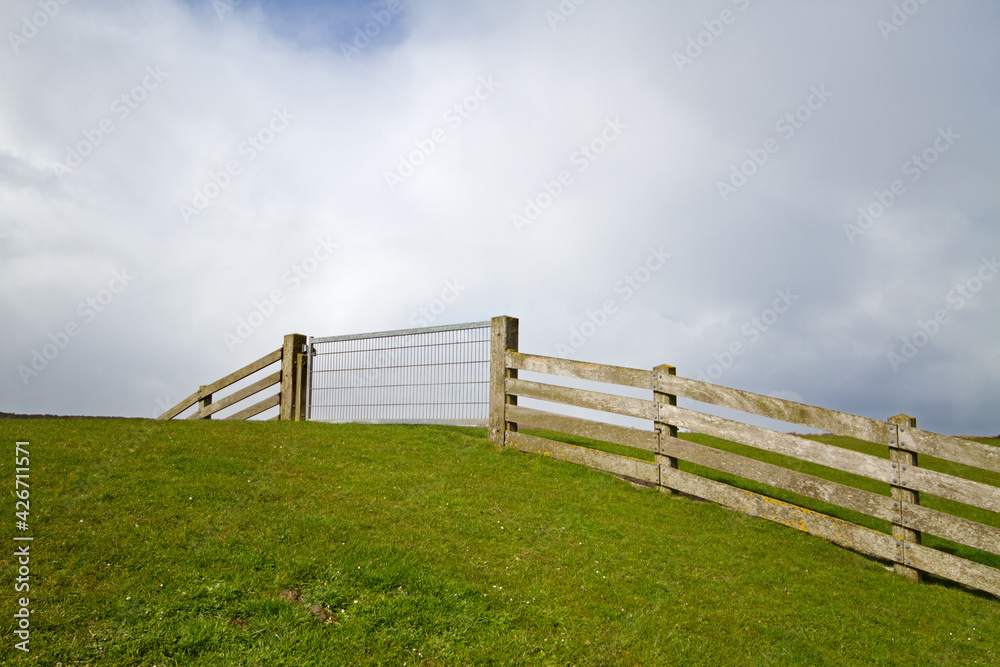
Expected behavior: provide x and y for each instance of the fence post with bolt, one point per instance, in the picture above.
(904, 498)
(663, 429)
(503, 337)
(204, 401)
(289, 408)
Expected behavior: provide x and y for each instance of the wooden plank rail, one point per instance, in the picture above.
(898, 469)
(801, 483)
(585, 428)
(208, 390)
(621, 405)
(629, 377)
(840, 423)
(955, 528)
(643, 471)
(956, 568)
(950, 448)
(238, 396)
(256, 409)
(794, 446)
(963, 490)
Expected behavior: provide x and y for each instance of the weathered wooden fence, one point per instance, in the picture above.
(289, 378)
(436, 375)
(899, 469)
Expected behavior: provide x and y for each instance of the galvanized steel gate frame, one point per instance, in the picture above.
(311, 354)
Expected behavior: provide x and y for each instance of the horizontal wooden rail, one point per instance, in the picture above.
(954, 528)
(629, 377)
(249, 369)
(236, 397)
(182, 406)
(950, 448)
(232, 378)
(801, 483)
(956, 568)
(644, 471)
(840, 423)
(794, 446)
(621, 405)
(963, 490)
(585, 428)
(256, 409)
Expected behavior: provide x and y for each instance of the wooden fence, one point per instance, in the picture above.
(289, 378)
(403, 371)
(896, 466)
(898, 470)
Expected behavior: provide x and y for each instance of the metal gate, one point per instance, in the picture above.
(431, 375)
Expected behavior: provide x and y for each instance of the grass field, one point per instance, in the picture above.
(277, 543)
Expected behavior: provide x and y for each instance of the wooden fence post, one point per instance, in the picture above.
(303, 386)
(903, 498)
(663, 429)
(204, 401)
(290, 351)
(503, 337)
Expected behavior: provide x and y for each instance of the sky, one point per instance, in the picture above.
(795, 199)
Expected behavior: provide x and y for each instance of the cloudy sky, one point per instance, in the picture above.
(797, 199)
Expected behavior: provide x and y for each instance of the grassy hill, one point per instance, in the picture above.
(276, 543)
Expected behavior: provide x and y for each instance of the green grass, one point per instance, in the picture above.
(216, 543)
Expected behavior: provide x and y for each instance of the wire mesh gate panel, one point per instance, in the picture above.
(432, 375)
